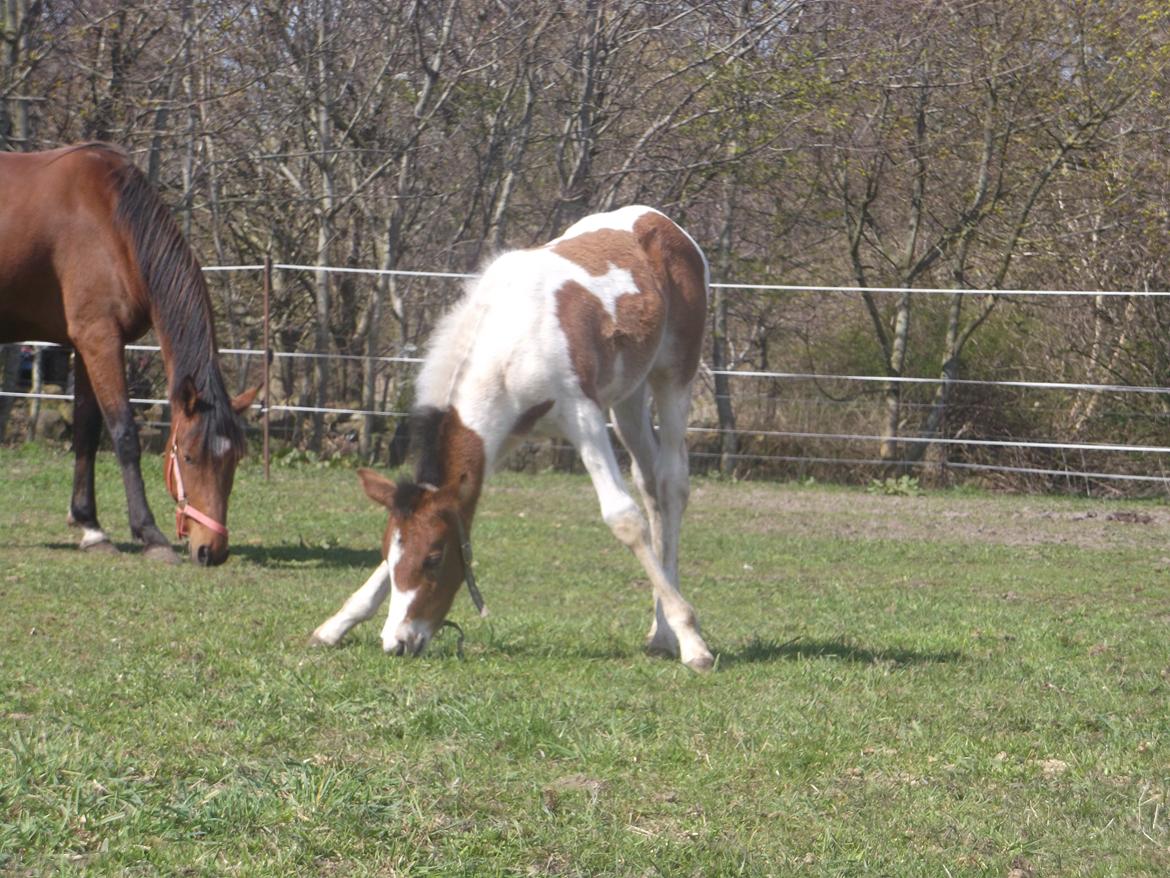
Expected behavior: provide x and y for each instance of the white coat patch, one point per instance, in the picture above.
(397, 630)
(220, 446)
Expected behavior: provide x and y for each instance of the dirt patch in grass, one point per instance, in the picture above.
(1008, 521)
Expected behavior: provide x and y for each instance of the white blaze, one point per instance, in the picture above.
(397, 630)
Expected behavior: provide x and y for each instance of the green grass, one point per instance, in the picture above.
(935, 685)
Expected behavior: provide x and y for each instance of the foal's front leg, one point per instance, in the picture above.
(361, 605)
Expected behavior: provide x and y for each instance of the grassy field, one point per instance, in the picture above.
(950, 684)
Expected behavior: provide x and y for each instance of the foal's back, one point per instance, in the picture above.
(618, 298)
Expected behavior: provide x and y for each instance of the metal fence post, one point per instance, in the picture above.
(267, 359)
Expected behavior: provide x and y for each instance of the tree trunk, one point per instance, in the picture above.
(322, 335)
(14, 117)
(728, 437)
(9, 374)
(38, 385)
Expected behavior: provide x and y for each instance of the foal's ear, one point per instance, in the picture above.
(188, 396)
(378, 488)
(243, 402)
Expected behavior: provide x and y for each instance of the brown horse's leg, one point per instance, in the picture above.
(87, 431)
(103, 361)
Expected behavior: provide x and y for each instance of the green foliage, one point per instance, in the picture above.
(900, 486)
(293, 458)
(966, 687)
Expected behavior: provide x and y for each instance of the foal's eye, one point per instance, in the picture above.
(431, 561)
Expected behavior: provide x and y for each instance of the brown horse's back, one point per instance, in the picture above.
(63, 262)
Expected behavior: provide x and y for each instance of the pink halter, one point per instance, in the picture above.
(174, 480)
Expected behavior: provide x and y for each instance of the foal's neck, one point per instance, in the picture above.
(463, 462)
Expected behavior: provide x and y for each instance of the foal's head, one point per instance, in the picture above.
(423, 550)
(202, 451)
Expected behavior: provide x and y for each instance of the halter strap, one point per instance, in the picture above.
(465, 549)
(184, 510)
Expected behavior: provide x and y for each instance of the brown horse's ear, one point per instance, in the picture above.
(189, 396)
(378, 488)
(243, 402)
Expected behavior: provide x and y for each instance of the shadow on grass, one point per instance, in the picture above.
(317, 557)
(125, 548)
(285, 555)
(757, 651)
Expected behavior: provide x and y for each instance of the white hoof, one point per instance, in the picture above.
(325, 635)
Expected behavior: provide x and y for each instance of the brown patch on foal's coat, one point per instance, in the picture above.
(659, 323)
(527, 421)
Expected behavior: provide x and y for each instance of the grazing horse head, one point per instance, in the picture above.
(202, 450)
(91, 257)
(425, 552)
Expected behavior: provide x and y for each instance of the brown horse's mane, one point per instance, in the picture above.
(179, 301)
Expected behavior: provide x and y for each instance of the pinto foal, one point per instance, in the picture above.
(547, 342)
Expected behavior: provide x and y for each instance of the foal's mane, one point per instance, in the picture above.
(179, 302)
(426, 427)
(449, 347)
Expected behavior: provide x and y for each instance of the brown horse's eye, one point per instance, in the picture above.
(433, 560)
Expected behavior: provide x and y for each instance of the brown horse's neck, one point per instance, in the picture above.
(173, 284)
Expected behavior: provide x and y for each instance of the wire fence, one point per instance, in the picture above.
(850, 445)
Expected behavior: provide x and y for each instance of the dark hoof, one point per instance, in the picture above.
(102, 547)
(161, 553)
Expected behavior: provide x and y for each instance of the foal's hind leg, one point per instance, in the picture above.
(633, 425)
(103, 362)
(672, 489)
(87, 431)
(631, 421)
(584, 426)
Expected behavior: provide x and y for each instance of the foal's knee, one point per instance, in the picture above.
(628, 525)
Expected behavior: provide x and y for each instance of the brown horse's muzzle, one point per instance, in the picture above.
(208, 536)
(210, 553)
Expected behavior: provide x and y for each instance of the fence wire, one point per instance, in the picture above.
(841, 438)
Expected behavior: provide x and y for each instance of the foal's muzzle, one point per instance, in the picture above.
(412, 644)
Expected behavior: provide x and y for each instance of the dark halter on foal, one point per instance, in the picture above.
(469, 577)
(184, 510)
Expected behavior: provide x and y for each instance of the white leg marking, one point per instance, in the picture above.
(91, 536)
(361, 605)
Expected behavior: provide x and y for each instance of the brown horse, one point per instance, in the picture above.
(91, 257)
(603, 319)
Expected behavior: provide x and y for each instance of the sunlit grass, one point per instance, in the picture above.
(905, 686)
